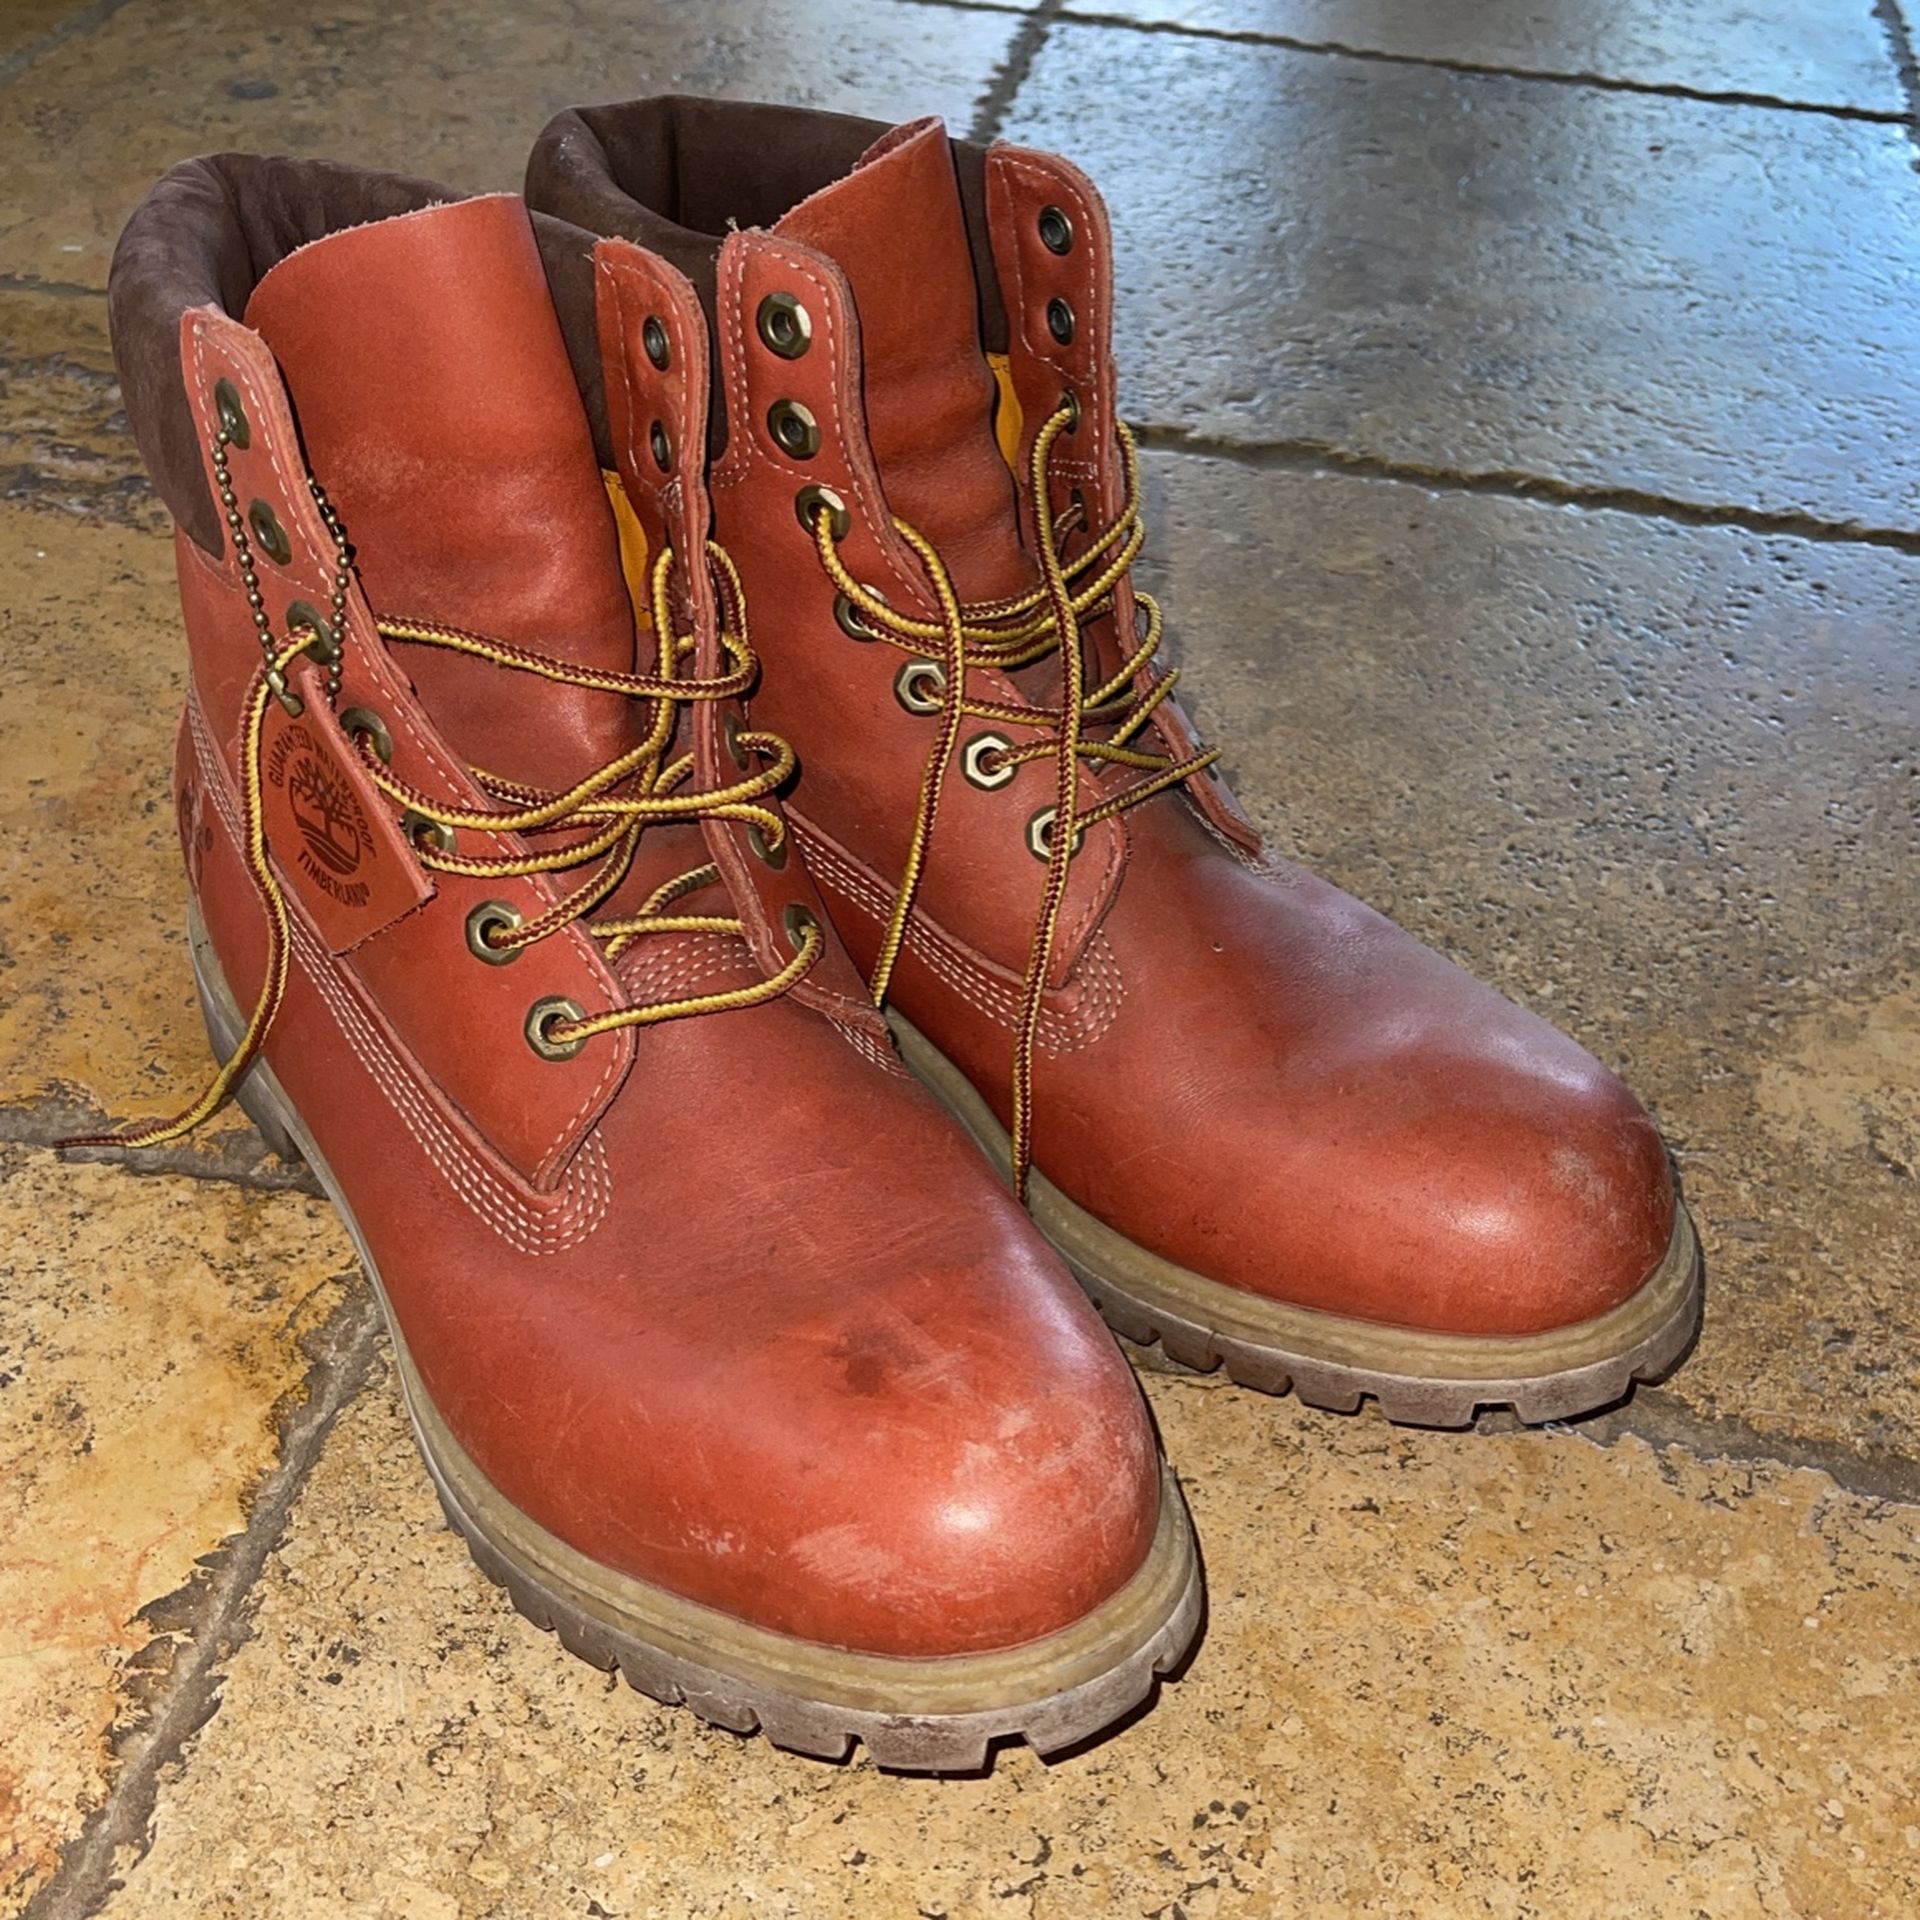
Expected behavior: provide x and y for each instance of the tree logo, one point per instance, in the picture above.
(326, 812)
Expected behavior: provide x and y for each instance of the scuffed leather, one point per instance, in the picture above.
(1240, 1068)
(697, 1328)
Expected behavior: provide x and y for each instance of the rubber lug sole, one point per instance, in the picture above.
(1416, 1378)
(940, 1715)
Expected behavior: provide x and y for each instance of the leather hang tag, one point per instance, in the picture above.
(330, 831)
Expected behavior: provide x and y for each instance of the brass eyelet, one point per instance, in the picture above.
(481, 923)
(1060, 320)
(1056, 230)
(653, 337)
(784, 326)
(851, 621)
(543, 1016)
(362, 723)
(233, 416)
(1071, 401)
(920, 685)
(769, 853)
(325, 644)
(730, 739)
(794, 429)
(981, 749)
(810, 502)
(661, 446)
(426, 833)
(1040, 836)
(798, 921)
(269, 534)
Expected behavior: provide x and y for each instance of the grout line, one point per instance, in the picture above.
(1071, 15)
(118, 1832)
(1664, 1420)
(1010, 76)
(1900, 42)
(238, 1159)
(71, 28)
(1319, 456)
(62, 289)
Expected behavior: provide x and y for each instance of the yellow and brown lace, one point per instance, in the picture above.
(606, 812)
(1095, 724)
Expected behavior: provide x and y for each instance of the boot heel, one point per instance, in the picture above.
(225, 1024)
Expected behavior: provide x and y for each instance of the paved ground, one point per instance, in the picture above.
(1531, 393)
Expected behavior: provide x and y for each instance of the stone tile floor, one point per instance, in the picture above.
(1530, 393)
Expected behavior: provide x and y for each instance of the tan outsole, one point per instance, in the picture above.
(1418, 1378)
(942, 1715)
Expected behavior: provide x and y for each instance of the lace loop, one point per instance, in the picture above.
(1090, 725)
(599, 819)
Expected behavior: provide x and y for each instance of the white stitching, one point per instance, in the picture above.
(532, 1229)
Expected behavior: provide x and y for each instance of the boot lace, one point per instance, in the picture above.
(1092, 725)
(596, 823)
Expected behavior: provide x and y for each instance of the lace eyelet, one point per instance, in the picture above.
(233, 416)
(810, 502)
(543, 1016)
(363, 726)
(794, 429)
(981, 749)
(488, 916)
(1060, 320)
(653, 337)
(850, 620)
(920, 685)
(426, 833)
(1040, 836)
(783, 326)
(325, 644)
(770, 853)
(730, 739)
(660, 445)
(1056, 230)
(269, 535)
(798, 921)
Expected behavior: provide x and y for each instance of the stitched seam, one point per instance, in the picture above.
(393, 696)
(1103, 987)
(581, 1210)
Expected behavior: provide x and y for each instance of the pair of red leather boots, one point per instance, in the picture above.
(674, 748)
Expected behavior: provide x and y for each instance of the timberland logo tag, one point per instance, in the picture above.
(335, 839)
(328, 827)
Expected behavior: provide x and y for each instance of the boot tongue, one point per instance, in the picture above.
(440, 412)
(895, 228)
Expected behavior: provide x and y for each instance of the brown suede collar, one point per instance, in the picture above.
(676, 173)
(206, 235)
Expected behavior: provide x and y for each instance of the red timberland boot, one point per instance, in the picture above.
(729, 1358)
(1262, 1123)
